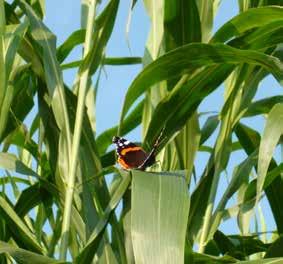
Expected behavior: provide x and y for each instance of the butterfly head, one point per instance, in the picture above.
(115, 139)
(121, 142)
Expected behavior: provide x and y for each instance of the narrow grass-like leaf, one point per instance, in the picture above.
(91, 163)
(153, 49)
(173, 112)
(180, 60)
(108, 159)
(263, 37)
(133, 3)
(208, 259)
(263, 106)
(222, 152)
(93, 49)
(3, 78)
(254, 17)
(22, 234)
(240, 175)
(106, 61)
(208, 128)
(245, 212)
(181, 22)
(104, 29)
(24, 88)
(8, 48)
(239, 247)
(263, 261)
(160, 207)
(6, 180)
(52, 70)
(187, 144)
(11, 162)
(92, 245)
(34, 195)
(20, 138)
(122, 61)
(181, 26)
(77, 37)
(13, 39)
(108, 256)
(126, 222)
(26, 257)
(155, 10)
(199, 200)
(272, 132)
(250, 140)
(206, 13)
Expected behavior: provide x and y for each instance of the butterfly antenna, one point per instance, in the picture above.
(153, 151)
(158, 140)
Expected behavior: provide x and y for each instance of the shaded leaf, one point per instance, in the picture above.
(275, 249)
(26, 257)
(21, 232)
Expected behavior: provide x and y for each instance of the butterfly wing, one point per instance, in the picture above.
(134, 157)
(129, 154)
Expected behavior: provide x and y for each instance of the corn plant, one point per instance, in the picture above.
(56, 205)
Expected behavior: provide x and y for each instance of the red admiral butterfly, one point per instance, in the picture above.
(131, 156)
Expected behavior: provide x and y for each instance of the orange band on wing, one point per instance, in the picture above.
(125, 150)
(123, 163)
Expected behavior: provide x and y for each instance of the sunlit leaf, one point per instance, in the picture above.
(247, 20)
(159, 235)
(183, 59)
(272, 132)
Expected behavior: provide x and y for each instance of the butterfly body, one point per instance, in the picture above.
(131, 156)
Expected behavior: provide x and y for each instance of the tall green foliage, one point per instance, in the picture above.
(169, 213)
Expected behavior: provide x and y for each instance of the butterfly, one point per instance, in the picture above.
(131, 156)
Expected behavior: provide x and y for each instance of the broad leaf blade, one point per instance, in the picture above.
(272, 132)
(160, 207)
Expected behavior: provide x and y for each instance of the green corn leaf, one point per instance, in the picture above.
(181, 60)
(160, 205)
(272, 132)
(11, 162)
(92, 244)
(252, 18)
(26, 257)
(21, 232)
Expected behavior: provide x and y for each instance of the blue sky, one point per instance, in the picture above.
(63, 17)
